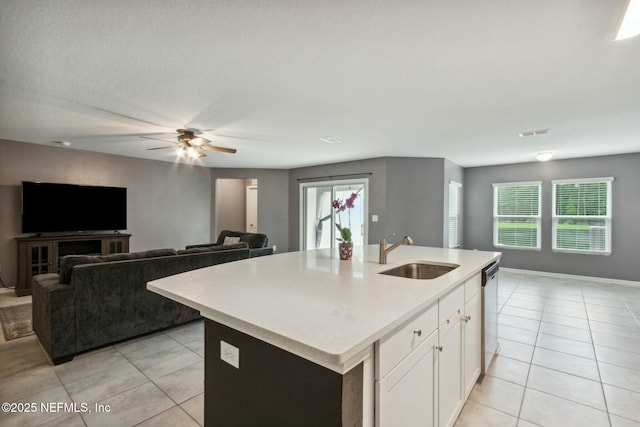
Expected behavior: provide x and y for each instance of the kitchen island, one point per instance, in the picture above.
(291, 339)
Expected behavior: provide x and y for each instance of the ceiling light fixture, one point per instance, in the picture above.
(63, 143)
(630, 26)
(544, 156)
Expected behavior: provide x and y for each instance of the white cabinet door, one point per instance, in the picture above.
(472, 330)
(406, 395)
(450, 371)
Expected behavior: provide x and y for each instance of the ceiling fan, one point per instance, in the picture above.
(191, 145)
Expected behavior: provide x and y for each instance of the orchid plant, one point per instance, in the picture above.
(340, 206)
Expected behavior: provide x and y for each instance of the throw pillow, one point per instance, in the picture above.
(231, 240)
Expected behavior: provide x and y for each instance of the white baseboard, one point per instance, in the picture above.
(571, 276)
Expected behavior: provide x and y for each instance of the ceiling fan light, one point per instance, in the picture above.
(630, 26)
(544, 156)
(192, 153)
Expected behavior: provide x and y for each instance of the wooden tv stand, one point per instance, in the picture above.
(42, 254)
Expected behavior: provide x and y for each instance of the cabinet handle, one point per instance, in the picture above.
(466, 318)
(418, 332)
(447, 321)
(439, 348)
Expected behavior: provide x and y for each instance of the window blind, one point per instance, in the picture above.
(517, 215)
(582, 215)
(455, 214)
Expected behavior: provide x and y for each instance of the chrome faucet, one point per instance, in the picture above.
(384, 250)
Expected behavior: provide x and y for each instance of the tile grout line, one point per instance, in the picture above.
(67, 391)
(526, 381)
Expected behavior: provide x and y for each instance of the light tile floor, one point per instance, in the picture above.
(570, 356)
(155, 380)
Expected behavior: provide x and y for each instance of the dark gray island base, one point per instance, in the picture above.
(275, 388)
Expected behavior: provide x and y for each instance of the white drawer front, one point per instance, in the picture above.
(451, 305)
(396, 346)
(472, 287)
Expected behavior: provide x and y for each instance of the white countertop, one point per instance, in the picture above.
(314, 305)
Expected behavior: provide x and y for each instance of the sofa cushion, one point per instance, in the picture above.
(70, 261)
(194, 250)
(239, 245)
(154, 253)
(212, 248)
(125, 256)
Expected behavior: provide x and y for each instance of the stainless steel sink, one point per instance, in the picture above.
(420, 270)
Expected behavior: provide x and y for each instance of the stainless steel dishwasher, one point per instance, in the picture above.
(489, 314)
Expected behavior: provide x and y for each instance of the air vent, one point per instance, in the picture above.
(533, 133)
(330, 140)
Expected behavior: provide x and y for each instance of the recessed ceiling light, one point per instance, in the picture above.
(330, 140)
(63, 143)
(544, 156)
(630, 26)
(533, 132)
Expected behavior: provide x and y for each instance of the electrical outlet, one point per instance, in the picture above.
(230, 354)
(274, 248)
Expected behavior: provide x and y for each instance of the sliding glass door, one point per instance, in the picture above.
(319, 218)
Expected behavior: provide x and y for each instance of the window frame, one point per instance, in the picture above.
(607, 218)
(497, 217)
(332, 183)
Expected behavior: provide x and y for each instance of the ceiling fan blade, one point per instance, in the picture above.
(160, 148)
(165, 137)
(221, 149)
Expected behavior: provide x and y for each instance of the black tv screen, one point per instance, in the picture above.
(48, 207)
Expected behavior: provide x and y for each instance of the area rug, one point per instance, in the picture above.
(16, 321)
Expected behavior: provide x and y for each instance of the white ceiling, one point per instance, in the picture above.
(427, 78)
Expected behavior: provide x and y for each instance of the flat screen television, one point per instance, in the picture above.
(49, 207)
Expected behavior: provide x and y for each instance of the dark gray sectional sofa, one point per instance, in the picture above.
(96, 301)
(258, 243)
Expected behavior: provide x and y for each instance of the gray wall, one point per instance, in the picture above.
(273, 202)
(405, 193)
(621, 264)
(168, 205)
(415, 199)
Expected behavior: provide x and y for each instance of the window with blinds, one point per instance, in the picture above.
(516, 215)
(582, 215)
(455, 214)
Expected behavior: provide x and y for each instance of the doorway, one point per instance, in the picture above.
(252, 209)
(236, 204)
